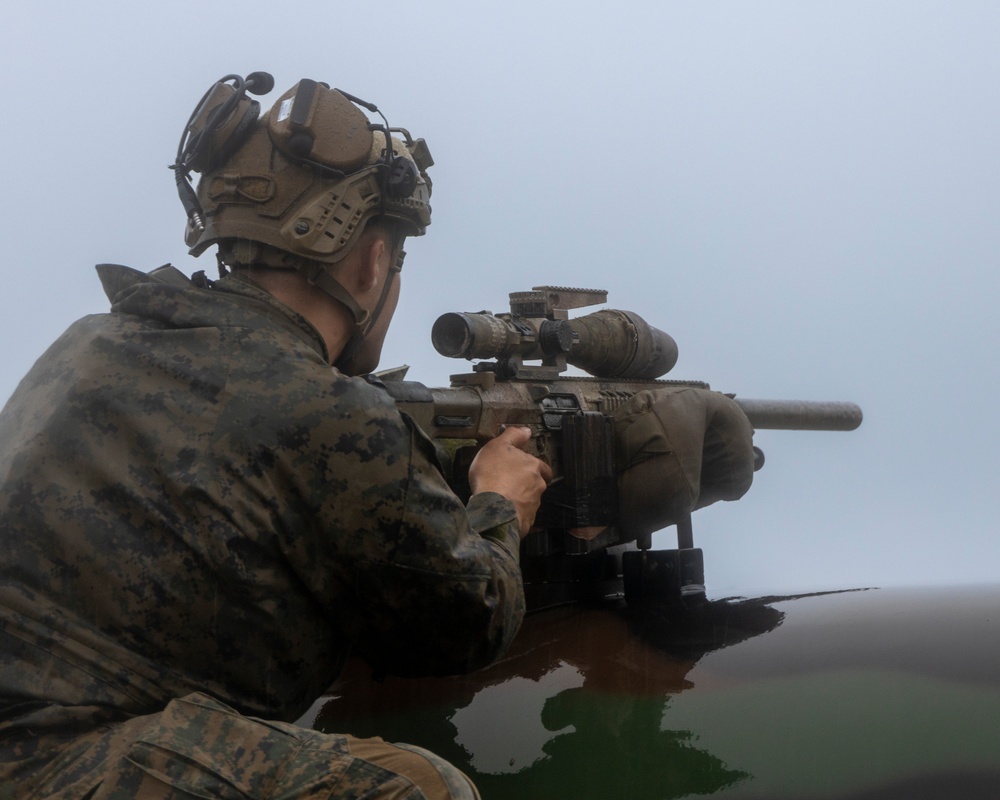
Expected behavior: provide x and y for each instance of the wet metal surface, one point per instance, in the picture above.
(861, 694)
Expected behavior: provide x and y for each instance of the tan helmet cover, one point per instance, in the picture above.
(307, 181)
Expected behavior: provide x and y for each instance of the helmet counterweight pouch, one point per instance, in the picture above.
(315, 124)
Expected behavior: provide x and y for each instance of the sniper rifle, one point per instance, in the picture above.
(572, 424)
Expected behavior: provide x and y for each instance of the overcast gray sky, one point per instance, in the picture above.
(804, 194)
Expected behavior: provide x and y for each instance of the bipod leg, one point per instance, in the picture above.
(685, 533)
(671, 577)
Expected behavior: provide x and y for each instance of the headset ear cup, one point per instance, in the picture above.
(402, 179)
(248, 112)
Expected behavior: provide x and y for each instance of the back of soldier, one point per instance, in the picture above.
(178, 481)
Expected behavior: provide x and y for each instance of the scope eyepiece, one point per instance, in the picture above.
(471, 336)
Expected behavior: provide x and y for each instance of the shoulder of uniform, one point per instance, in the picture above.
(116, 278)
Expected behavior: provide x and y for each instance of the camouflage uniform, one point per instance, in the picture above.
(192, 500)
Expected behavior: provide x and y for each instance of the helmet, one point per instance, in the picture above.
(305, 178)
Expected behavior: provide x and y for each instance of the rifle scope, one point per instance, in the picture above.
(606, 344)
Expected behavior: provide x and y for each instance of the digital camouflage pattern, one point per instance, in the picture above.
(200, 748)
(192, 500)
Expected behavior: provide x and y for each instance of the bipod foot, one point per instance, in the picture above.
(665, 577)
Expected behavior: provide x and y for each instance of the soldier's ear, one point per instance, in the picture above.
(374, 263)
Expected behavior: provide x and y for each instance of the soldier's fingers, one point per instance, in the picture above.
(516, 435)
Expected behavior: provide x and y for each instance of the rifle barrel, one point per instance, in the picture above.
(801, 415)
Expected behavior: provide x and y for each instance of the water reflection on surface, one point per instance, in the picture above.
(579, 707)
(863, 695)
(491, 748)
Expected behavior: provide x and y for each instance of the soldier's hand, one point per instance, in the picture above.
(501, 466)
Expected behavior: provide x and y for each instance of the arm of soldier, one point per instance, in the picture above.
(420, 583)
(450, 597)
(501, 466)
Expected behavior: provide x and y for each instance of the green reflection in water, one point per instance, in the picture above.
(835, 734)
(575, 709)
(598, 746)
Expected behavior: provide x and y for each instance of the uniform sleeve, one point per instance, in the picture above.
(418, 582)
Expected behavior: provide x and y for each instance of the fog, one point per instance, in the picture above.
(803, 194)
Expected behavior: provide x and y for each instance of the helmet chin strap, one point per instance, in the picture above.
(247, 252)
(363, 320)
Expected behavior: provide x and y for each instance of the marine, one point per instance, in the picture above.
(206, 507)
(200, 517)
